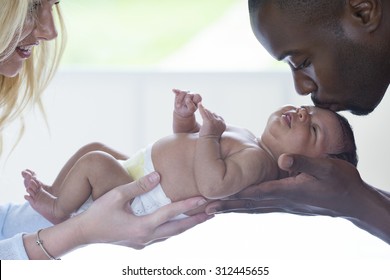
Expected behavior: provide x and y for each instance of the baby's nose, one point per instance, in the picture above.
(302, 113)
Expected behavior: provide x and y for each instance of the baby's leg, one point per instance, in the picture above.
(41, 200)
(95, 146)
(93, 174)
(29, 175)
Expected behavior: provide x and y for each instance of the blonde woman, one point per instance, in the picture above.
(30, 49)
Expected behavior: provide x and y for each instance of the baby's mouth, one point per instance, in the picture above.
(287, 119)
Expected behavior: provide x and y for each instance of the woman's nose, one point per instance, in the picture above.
(45, 27)
(304, 85)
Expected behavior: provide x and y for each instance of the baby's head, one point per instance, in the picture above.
(310, 131)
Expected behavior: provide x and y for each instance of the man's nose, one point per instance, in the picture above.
(304, 85)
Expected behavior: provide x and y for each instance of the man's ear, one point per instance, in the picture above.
(365, 14)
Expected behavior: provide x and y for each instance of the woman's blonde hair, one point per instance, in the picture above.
(19, 92)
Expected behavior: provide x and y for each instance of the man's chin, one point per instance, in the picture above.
(361, 111)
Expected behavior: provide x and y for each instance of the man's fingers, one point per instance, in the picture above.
(165, 226)
(288, 188)
(246, 206)
(304, 170)
(316, 167)
(268, 189)
(174, 209)
(257, 207)
(177, 227)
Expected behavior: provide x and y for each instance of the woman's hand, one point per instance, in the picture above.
(110, 219)
(318, 186)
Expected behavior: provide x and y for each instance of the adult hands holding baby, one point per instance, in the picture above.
(118, 225)
(317, 186)
(110, 220)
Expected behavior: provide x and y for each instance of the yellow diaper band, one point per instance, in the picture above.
(135, 165)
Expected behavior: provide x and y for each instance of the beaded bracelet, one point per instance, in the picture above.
(40, 244)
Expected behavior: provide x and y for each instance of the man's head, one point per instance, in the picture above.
(339, 50)
(309, 131)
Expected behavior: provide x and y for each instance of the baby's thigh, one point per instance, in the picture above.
(105, 171)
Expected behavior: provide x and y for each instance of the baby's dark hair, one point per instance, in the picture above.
(349, 150)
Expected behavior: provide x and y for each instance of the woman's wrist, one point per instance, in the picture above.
(53, 242)
(41, 245)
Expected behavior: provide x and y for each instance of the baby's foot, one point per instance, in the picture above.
(29, 175)
(42, 201)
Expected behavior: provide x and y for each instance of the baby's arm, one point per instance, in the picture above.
(219, 177)
(186, 104)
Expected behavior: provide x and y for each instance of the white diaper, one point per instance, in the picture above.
(137, 166)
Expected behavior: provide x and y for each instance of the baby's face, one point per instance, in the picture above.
(306, 130)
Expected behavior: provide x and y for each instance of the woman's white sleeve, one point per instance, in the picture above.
(15, 220)
(13, 248)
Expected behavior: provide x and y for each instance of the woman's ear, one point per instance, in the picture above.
(366, 14)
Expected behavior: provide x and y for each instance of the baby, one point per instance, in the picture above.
(213, 160)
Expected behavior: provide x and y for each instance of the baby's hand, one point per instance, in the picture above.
(186, 103)
(213, 125)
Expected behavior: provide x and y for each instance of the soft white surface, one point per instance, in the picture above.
(268, 237)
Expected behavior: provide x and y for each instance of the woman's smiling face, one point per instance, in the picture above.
(39, 25)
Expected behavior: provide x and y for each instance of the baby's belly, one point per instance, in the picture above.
(173, 158)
